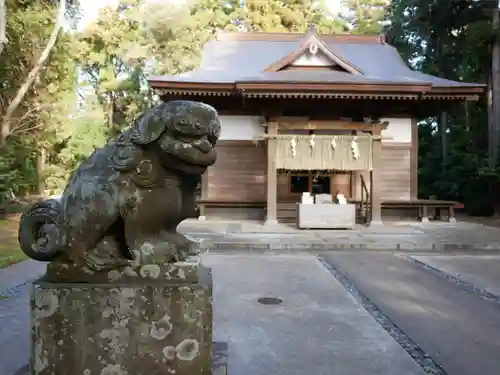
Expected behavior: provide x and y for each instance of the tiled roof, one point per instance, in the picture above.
(242, 60)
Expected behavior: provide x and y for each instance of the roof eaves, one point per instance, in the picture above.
(201, 86)
(457, 88)
(312, 86)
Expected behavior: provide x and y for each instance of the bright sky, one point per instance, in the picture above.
(91, 7)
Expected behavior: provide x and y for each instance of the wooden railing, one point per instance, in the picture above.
(365, 207)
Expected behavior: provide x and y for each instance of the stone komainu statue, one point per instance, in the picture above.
(133, 191)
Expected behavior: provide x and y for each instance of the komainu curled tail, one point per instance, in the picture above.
(42, 233)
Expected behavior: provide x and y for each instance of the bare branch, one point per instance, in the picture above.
(33, 74)
(20, 131)
(3, 25)
(21, 121)
(80, 95)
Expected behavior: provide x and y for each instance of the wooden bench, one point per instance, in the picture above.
(212, 203)
(423, 207)
(230, 203)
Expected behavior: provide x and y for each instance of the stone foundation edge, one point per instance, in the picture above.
(347, 246)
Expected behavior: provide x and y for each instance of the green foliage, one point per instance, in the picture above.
(366, 16)
(76, 137)
(17, 171)
(454, 44)
(111, 52)
(29, 26)
(94, 82)
(287, 16)
(135, 38)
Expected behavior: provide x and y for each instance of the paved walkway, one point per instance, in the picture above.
(14, 331)
(19, 274)
(318, 329)
(454, 325)
(481, 272)
(457, 328)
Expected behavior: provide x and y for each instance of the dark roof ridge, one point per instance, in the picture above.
(223, 35)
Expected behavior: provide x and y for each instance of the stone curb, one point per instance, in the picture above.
(206, 245)
(482, 292)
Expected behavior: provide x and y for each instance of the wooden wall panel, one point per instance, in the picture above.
(283, 192)
(239, 174)
(396, 171)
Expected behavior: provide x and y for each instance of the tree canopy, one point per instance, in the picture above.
(93, 81)
(454, 44)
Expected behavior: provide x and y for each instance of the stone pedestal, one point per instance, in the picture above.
(156, 323)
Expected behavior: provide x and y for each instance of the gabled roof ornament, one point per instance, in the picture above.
(312, 43)
(313, 48)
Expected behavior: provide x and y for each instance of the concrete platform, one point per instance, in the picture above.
(407, 236)
(318, 329)
(458, 329)
(482, 271)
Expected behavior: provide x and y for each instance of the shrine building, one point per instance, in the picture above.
(313, 113)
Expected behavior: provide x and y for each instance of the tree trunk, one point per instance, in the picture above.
(467, 116)
(3, 25)
(39, 166)
(493, 136)
(33, 74)
(489, 98)
(443, 126)
(111, 112)
(494, 123)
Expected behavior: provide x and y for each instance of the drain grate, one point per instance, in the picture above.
(269, 301)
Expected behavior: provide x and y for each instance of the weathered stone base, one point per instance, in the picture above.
(145, 327)
(219, 360)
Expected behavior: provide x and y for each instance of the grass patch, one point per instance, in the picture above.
(10, 252)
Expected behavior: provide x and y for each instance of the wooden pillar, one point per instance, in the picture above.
(203, 195)
(354, 185)
(414, 160)
(376, 216)
(272, 178)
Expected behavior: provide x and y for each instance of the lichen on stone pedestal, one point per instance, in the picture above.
(156, 325)
(149, 263)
